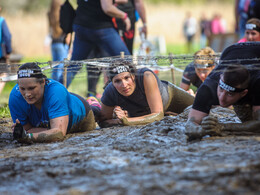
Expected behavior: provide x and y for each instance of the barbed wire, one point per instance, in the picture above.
(8, 72)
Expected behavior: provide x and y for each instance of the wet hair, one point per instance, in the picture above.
(31, 70)
(204, 58)
(253, 24)
(118, 66)
(236, 76)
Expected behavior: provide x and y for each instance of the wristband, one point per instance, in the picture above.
(30, 135)
(126, 15)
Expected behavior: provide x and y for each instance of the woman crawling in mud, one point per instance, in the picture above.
(138, 97)
(43, 110)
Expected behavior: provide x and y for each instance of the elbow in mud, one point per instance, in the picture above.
(144, 121)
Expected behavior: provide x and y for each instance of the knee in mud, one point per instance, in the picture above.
(87, 124)
(180, 99)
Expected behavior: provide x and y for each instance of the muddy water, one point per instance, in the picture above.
(152, 159)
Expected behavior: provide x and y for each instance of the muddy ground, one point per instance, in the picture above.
(152, 159)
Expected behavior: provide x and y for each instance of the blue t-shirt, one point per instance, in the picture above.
(57, 102)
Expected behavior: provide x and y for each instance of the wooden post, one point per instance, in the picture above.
(172, 69)
(65, 68)
(122, 54)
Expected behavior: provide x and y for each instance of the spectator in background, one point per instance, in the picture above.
(93, 27)
(241, 15)
(218, 25)
(252, 32)
(130, 7)
(198, 70)
(5, 48)
(189, 30)
(204, 30)
(59, 40)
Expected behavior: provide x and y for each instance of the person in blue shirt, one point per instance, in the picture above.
(43, 110)
(5, 40)
(5, 48)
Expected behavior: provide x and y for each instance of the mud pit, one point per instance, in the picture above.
(152, 159)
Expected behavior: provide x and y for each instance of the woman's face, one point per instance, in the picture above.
(31, 90)
(252, 35)
(124, 83)
(202, 73)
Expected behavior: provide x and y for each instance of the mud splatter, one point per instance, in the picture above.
(151, 159)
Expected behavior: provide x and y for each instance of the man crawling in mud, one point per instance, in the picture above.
(237, 85)
(43, 110)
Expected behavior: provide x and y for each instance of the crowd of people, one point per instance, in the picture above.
(43, 110)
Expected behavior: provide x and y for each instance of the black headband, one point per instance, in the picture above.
(29, 73)
(117, 70)
(228, 87)
(252, 27)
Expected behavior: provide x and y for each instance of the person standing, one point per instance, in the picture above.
(218, 25)
(204, 30)
(59, 40)
(131, 7)
(93, 27)
(241, 16)
(5, 48)
(189, 29)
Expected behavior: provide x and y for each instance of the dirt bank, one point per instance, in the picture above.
(152, 159)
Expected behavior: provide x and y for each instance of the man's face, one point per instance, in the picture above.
(202, 73)
(227, 98)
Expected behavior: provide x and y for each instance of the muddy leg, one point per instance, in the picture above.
(179, 99)
(87, 124)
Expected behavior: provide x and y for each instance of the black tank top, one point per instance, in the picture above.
(136, 104)
(90, 14)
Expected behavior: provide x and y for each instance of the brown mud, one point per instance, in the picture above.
(152, 159)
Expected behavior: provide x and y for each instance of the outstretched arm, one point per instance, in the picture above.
(249, 126)
(56, 133)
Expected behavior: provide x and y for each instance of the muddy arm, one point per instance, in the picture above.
(142, 120)
(249, 126)
(56, 133)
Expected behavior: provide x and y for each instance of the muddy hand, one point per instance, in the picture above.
(18, 131)
(211, 126)
(193, 131)
(119, 113)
